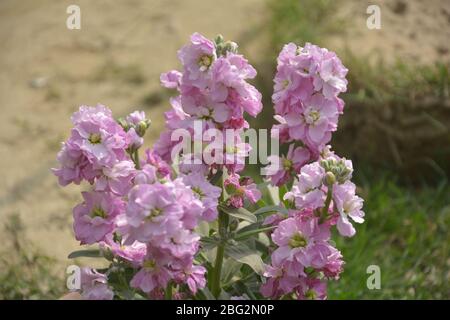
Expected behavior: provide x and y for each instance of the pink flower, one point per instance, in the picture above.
(307, 192)
(299, 241)
(100, 138)
(75, 166)
(196, 278)
(153, 274)
(206, 110)
(153, 212)
(239, 189)
(278, 282)
(229, 86)
(205, 192)
(197, 58)
(193, 276)
(135, 140)
(289, 166)
(94, 285)
(176, 117)
(306, 88)
(192, 206)
(171, 79)
(117, 179)
(162, 168)
(330, 77)
(348, 204)
(133, 253)
(94, 218)
(181, 245)
(334, 265)
(193, 163)
(314, 124)
(136, 117)
(312, 289)
(147, 175)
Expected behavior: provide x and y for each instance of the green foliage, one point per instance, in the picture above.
(399, 114)
(406, 234)
(25, 273)
(302, 21)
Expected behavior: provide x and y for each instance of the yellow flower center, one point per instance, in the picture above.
(95, 138)
(205, 61)
(98, 212)
(297, 241)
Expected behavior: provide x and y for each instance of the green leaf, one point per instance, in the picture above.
(204, 294)
(209, 243)
(229, 270)
(240, 213)
(243, 288)
(91, 253)
(245, 255)
(282, 191)
(274, 195)
(248, 233)
(203, 228)
(217, 178)
(271, 209)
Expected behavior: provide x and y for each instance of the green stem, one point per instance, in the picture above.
(327, 204)
(217, 272)
(136, 160)
(215, 286)
(168, 293)
(247, 234)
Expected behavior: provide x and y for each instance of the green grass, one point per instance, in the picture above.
(406, 234)
(397, 113)
(25, 272)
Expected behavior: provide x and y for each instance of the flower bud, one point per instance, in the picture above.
(142, 127)
(123, 123)
(230, 46)
(218, 39)
(330, 178)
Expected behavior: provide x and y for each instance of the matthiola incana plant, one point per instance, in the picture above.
(181, 220)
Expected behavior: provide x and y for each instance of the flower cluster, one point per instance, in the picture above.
(307, 84)
(96, 146)
(213, 91)
(138, 211)
(321, 195)
(303, 258)
(161, 218)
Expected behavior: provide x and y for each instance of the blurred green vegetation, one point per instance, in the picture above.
(396, 129)
(405, 234)
(397, 115)
(25, 273)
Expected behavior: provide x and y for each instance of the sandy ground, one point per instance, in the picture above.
(47, 71)
(413, 31)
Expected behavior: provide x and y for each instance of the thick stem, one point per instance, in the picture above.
(168, 293)
(223, 229)
(215, 286)
(136, 159)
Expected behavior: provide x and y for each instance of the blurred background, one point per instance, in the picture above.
(396, 125)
